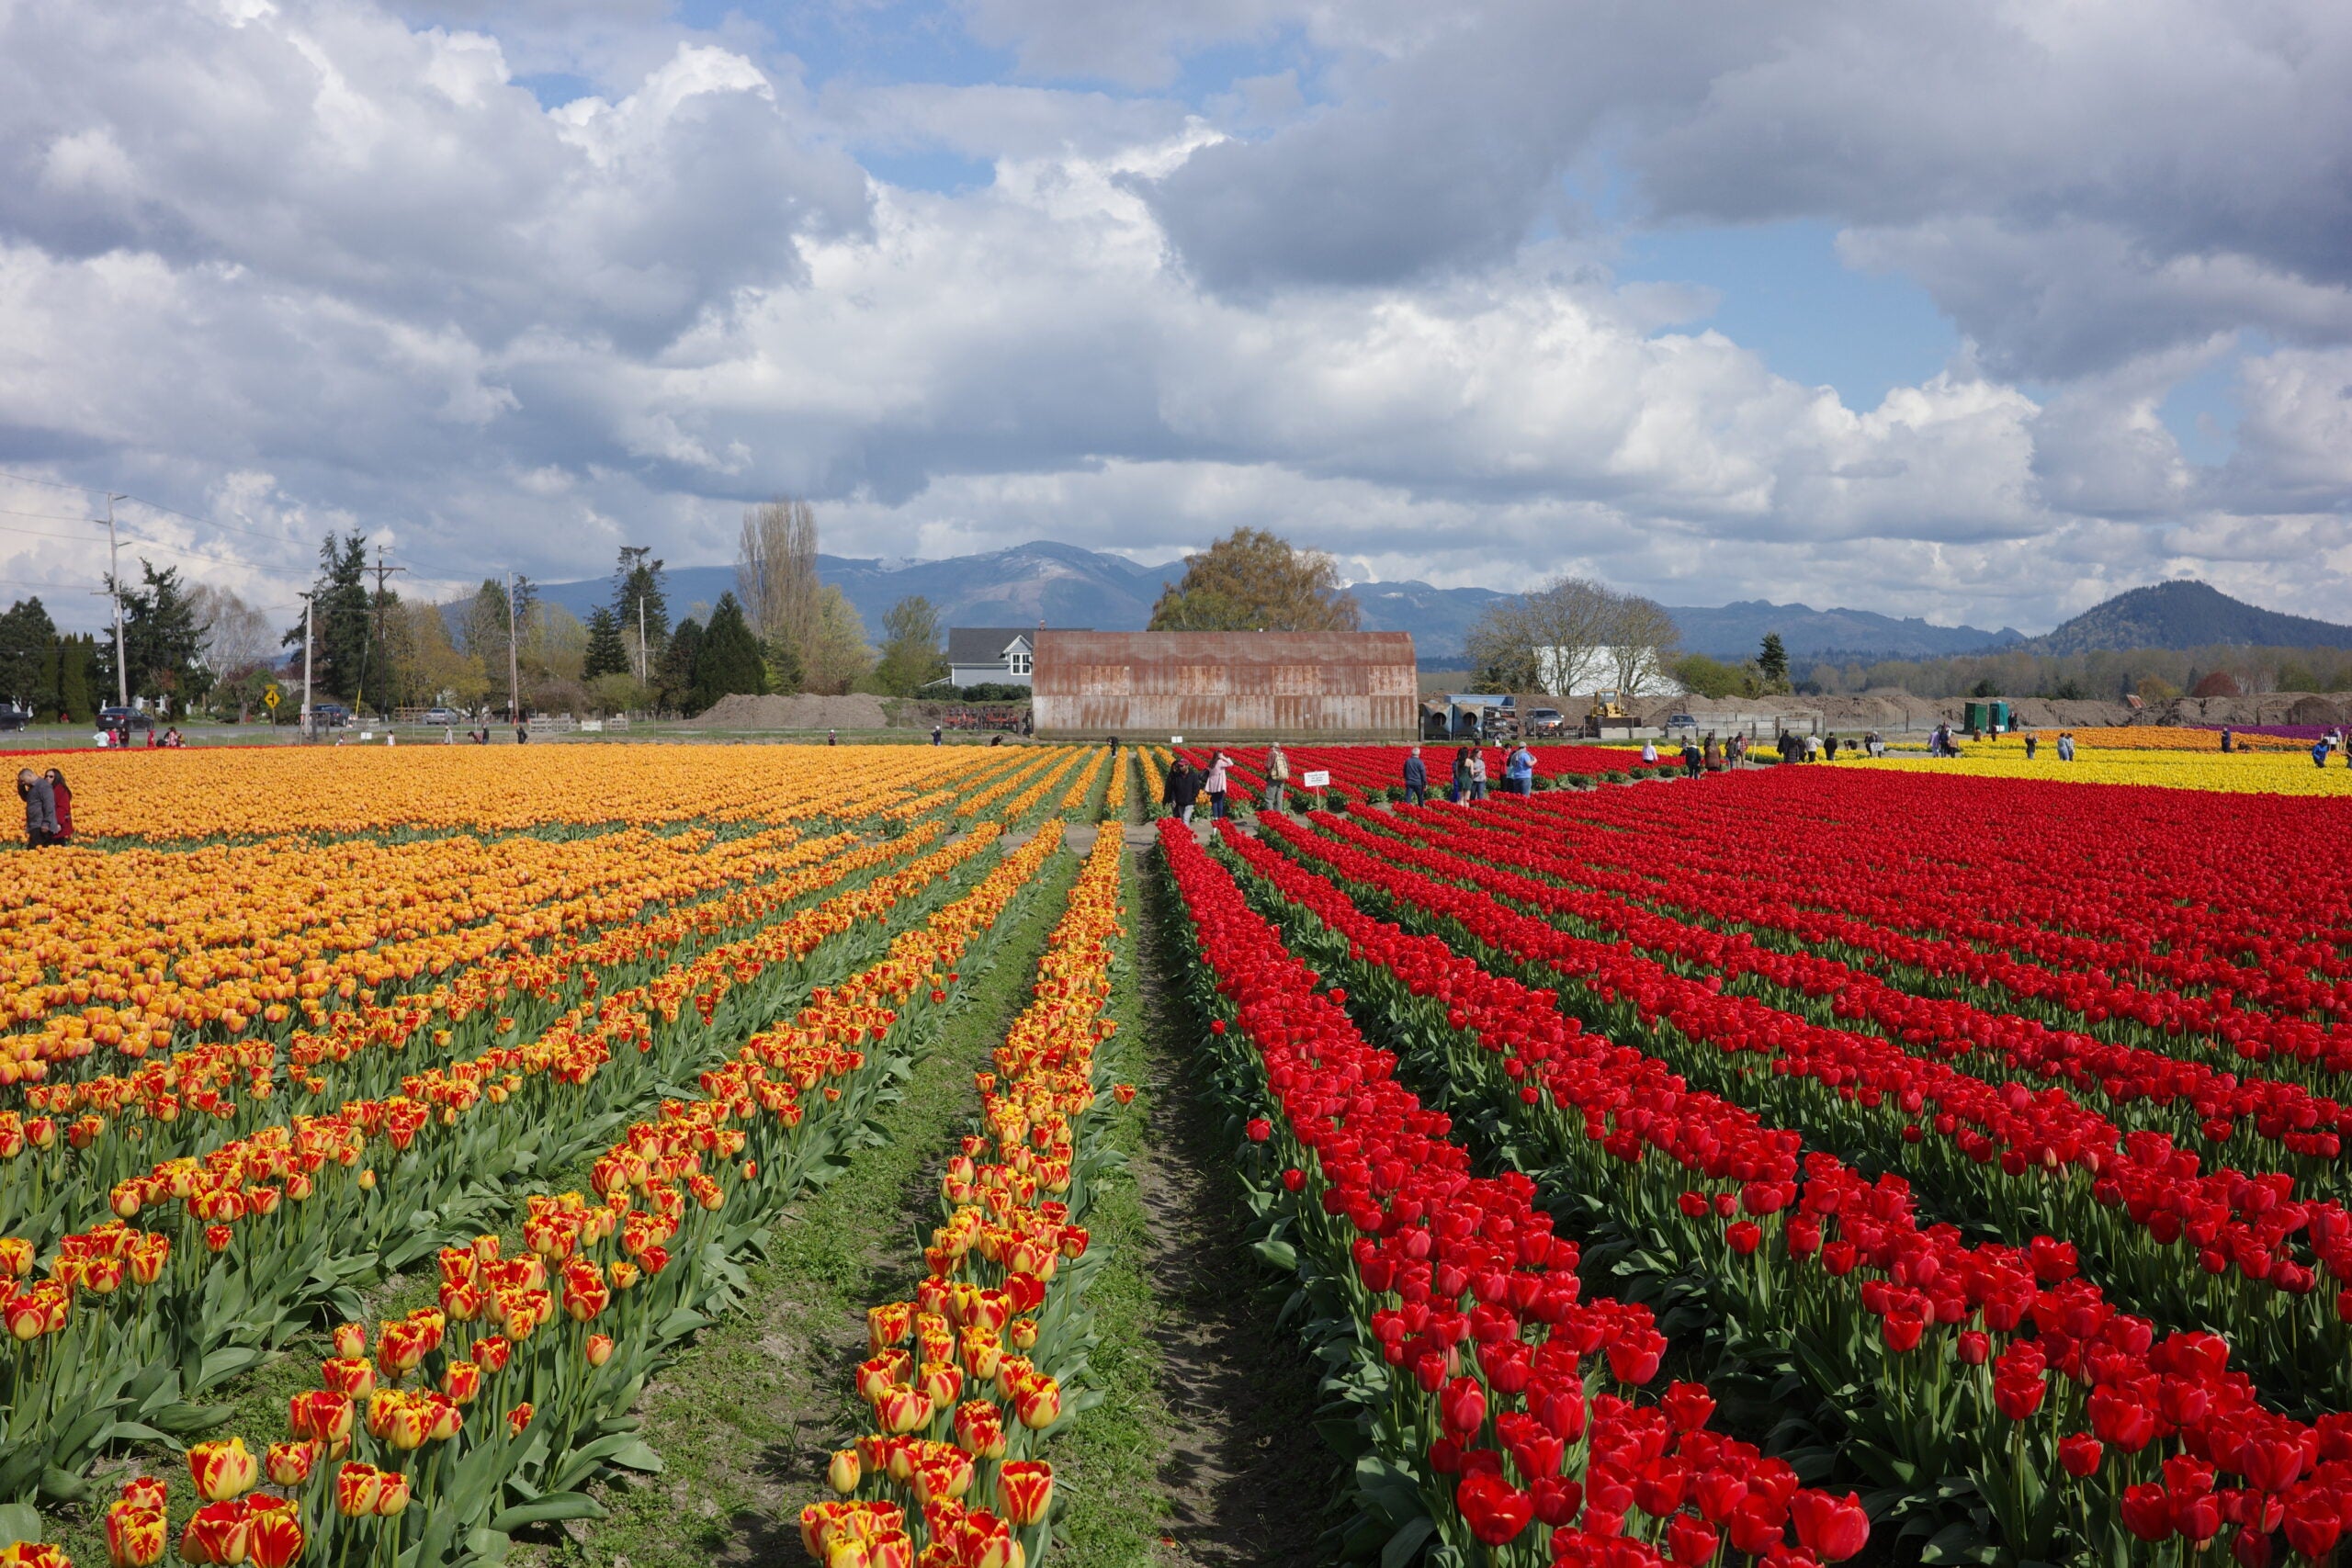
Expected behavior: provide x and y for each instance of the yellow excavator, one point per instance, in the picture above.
(1606, 709)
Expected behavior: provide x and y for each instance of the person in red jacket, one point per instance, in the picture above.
(64, 807)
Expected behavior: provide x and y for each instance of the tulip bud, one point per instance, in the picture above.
(844, 1471)
(518, 1418)
(290, 1464)
(599, 1350)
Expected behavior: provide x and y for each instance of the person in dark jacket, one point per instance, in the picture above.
(1184, 788)
(1694, 761)
(40, 808)
(1460, 793)
(1417, 778)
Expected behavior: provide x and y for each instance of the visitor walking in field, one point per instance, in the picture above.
(1215, 785)
(2031, 740)
(40, 808)
(1183, 789)
(1649, 754)
(1694, 761)
(1277, 775)
(1478, 773)
(2066, 745)
(1460, 792)
(1417, 778)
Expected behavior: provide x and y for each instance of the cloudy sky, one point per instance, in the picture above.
(1977, 310)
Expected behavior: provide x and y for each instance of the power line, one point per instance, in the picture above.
(150, 506)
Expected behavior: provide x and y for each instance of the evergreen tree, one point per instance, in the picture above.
(729, 661)
(1772, 661)
(637, 580)
(340, 604)
(675, 675)
(607, 654)
(784, 675)
(78, 672)
(27, 636)
(163, 646)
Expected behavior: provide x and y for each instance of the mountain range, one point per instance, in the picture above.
(1064, 585)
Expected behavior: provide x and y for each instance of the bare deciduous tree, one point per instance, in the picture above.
(1643, 640)
(233, 635)
(776, 571)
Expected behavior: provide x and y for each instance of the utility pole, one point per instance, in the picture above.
(114, 588)
(308, 639)
(514, 665)
(644, 669)
(375, 625)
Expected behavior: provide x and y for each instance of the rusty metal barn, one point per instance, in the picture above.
(1226, 686)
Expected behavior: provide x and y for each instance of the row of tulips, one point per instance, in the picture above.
(1509, 1402)
(1074, 801)
(2085, 1437)
(387, 1460)
(2255, 1118)
(2189, 1247)
(267, 1230)
(288, 974)
(197, 1098)
(56, 1174)
(2210, 916)
(2209, 985)
(965, 1379)
(270, 793)
(1024, 782)
(130, 950)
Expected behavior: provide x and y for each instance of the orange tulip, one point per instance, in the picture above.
(599, 1350)
(16, 1257)
(492, 1352)
(222, 1471)
(350, 1340)
(518, 1418)
(393, 1497)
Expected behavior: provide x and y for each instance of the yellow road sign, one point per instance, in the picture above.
(270, 696)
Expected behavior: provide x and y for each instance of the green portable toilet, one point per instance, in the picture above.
(1985, 717)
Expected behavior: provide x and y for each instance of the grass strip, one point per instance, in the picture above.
(746, 1420)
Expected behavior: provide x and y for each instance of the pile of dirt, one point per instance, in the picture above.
(2274, 708)
(854, 712)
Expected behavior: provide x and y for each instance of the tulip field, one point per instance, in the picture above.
(1883, 1163)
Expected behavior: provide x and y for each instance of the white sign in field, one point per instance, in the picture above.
(1316, 778)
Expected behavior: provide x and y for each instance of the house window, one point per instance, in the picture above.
(1021, 664)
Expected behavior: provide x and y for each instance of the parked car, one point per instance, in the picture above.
(125, 721)
(1681, 721)
(329, 716)
(13, 717)
(1543, 721)
(439, 716)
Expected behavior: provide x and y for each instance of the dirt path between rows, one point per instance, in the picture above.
(1247, 1480)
